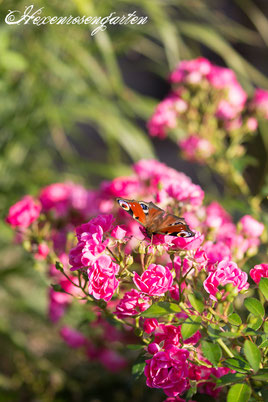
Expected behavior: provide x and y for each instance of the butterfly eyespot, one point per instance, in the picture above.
(183, 234)
(124, 205)
(144, 207)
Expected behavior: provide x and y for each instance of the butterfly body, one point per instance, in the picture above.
(154, 219)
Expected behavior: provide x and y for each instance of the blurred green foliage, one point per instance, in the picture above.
(55, 81)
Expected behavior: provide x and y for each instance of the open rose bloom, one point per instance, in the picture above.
(191, 307)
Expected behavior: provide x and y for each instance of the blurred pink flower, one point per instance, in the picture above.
(155, 281)
(191, 71)
(56, 196)
(23, 213)
(196, 148)
(120, 187)
(42, 252)
(72, 337)
(252, 124)
(258, 272)
(165, 116)
(111, 360)
(251, 227)
(216, 215)
(260, 102)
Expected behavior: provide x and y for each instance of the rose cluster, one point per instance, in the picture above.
(209, 106)
(168, 293)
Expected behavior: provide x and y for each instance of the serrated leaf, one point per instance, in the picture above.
(252, 354)
(263, 286)
(212, 352)
(190, 326)
(254, 306)
(239, 393)
(238, 364)
(196, 303)
(214, 331)
(230, 379)
(235, 319)
(160, 309)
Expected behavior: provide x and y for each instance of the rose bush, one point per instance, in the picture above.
(187, 304)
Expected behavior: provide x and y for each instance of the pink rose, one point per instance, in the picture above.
(185, 191)
(132, 303)
(72, 337)
(90, 244)
(251, 227)
(118, 232)
(188, 243)
(216, 252)
(226, 272)
(101, 276)
(258, 272)
(23, 213)
(168, 370)
(155, 281)
(150, 324)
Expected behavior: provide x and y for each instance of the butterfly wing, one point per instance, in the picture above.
(154, 219)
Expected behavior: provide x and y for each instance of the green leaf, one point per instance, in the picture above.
(212, 352)
(252, 354)
(238, 364)
(263, 286)
(264, 344)
(135, 346)
(190, 326)
(160, 309)
(254, 306)
(230, 379)
(254, 322)
(239, 393)
(138, 367)
(260, 377)
(214, 331)
(265, 327)
(235, 319)
(197, 303)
